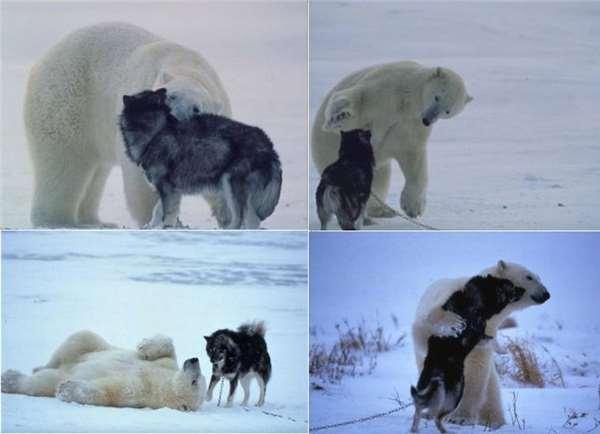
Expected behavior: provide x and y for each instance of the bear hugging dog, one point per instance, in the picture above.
(481, 402)
(88, 370)
(398, 102)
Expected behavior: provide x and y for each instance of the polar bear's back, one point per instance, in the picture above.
(75, 81)
(437, 294)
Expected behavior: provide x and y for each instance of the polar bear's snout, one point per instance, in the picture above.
(541, 296)
(431, 114)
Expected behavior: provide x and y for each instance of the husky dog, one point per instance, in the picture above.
(233, 164)
(441, 383)
(239, 355)
(345, 185)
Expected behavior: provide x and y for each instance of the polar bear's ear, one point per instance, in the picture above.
(439, 72)
(340, 110)
(501, 267)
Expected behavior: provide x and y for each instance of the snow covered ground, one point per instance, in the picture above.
(524, 154)
(131, 285)
(259, 50)
(384, 274)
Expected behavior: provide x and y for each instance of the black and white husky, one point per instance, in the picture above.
(345, 185)
(239, 355)
(232, 164)
(441, 383)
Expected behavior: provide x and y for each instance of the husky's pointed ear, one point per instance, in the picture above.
(341, 109)
(501, 266)
(161, 94)
(207, 338)
(127, 100)
(468, 99)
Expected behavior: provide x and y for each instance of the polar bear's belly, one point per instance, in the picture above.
(106, 363)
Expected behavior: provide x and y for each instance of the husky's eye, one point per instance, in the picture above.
(447, 112)
(529, 278)
(437, 98)
(194, 383)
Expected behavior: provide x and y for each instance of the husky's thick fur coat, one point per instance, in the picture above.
(441, 383)
(233, 164)
(345, 185)
(239, 356)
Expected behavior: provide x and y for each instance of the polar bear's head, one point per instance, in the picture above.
(521, 277)
(187, 96)
(189, 386)
(444, 96)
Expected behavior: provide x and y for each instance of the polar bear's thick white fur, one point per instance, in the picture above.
(398, 102)
(74, 95)
(481, 402)
(88, 370)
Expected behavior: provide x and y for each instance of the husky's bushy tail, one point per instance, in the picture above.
(265, 196)
(253, 328)
(423, 397)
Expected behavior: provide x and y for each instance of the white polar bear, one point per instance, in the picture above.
(398, 102)
(481, 402)
(73, 98)
(87, 370)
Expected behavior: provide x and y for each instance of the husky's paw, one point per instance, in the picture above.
(412, 202)
(77, 391)
(209, 396)
(260, 403)
(229, 404)
(450, 325)
(155, 348)
(11, 380)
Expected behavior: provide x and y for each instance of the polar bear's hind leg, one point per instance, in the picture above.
(156, 347)
(90, 204)
(42, 383)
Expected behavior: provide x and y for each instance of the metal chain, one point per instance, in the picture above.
(402, 216)
(360, 420)
(221, 391)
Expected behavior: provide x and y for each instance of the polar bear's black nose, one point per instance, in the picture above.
(426, 122)
(194, 361)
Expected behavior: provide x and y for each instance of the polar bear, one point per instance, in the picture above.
(73, 97)
(88, 370)
(398, 102)
(481, 402)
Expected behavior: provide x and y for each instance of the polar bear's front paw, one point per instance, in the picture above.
(461, 419)
(11, 380)
(412, 203)
(450, 325)
(155, 348)
(77, 391)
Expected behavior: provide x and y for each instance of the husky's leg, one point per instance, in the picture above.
(232, 203)
(439, 424)
(251, 220)
(324, 217)
(171, 200)
(213, 382)
(156, 347)
(157, 217)
(232, 386)
(263, 390)
(89, 206)
(42, 383)
(416, 419)
(139, 195)
(245, 382)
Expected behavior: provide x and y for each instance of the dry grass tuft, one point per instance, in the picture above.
(354, 353)
(523, 365)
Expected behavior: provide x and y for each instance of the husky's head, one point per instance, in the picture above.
(222, 351)
(444, 96)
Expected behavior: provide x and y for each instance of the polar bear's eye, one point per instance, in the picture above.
(529, 278)
(447, 112)
(437, 98)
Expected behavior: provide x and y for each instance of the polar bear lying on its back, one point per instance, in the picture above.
(398, 103)
(481, 402)
(87, 370)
